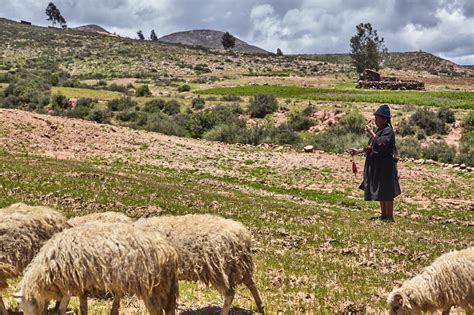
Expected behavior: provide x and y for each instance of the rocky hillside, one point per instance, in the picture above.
(93, 28)
(416, 60)
(209, 39)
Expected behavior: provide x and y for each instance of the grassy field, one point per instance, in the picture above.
(316, 252)
(453, 99)
(94, 94)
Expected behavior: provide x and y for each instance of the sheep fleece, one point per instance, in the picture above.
(103, 256)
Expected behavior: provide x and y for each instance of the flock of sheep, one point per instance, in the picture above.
(108, 252)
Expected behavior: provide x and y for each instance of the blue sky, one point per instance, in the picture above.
(442, 27)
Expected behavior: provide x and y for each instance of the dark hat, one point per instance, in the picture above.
(383, 111)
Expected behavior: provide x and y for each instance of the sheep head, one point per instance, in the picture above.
(30, 306)
(399, 303)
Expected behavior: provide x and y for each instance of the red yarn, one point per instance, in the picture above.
(354, 167)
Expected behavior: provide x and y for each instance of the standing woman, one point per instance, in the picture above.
(380, 170)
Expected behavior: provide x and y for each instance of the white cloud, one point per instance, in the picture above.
(296, 26)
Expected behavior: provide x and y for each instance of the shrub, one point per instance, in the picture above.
(228, 133)
(143, 90)
(427, 120)
(199, 123)
(409, 148)
(439, 151)
(184, 88)
(231, 98)
(162, 123)
(300, 122)
(172, 107)
(468, 123)
(126, 115)
(353, 122)
(198, 103)
(262, 104)
(120, 104)
(117, 88)
(283, 134)
(466, 149)
(78, 112)
(331, 141)
(405, 128)
(60, 101)
(154, 106)
(84, 102)
(100, 116)
(446, 115)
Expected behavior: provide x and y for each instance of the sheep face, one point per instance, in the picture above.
(399, 304)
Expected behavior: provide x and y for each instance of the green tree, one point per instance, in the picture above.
(228, 41)
(279, 52)
(367, 48)
(140, 35)
(153, 35)
(54, 15)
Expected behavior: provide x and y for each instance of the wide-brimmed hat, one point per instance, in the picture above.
(383, 111)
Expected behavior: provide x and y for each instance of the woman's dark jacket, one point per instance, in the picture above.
(380, 171)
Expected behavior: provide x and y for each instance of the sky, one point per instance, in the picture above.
(442, 27)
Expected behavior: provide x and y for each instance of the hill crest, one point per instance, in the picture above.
(209, 39)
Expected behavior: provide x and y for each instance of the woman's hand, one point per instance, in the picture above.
(370, 128)
(354, 151)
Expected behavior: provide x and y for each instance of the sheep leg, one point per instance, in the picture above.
(153, 306)
(63, 304)
(446, 311)
(228, 298)
(83, 304)
(116, 304)
(250, 284)
(3, 309)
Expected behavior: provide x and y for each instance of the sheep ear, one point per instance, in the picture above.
(406, 301)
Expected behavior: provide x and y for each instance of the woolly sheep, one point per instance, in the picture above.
(102, 256)
(23, 230)
(212, 250)
(108, 216)
(447, 282)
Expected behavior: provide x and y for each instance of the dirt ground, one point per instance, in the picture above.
(66, 138)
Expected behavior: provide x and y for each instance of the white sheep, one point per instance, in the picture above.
(108, 216)
(102, 256)
(23, 230)
(447, 282)
(212, 250)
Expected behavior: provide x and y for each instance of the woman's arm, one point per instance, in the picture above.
(355, 151)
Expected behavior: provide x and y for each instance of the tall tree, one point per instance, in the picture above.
(367, 48)
(279, 52)
(54, 15)
(153, 35)
(228, 41)
(140, 35)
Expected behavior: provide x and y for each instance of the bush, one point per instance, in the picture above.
(468, 123)
(446, 115)
(172, 107)
(300, 122)
(143, 90)
(405, 128)
(439, 151)
(126, 115)
(228, 133)
(428, 121)
(163, 124)
(352, 122)
(198, 103)
(283, 134)
(59, 101)
(84, 102)
(262, 104)
(231, 98)
(154, 106)
(331, 141)
(120, 104)
(117, 88)
(100, 116)
(184, 88)
(200, 122)
(409, 148)
(466, 149)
